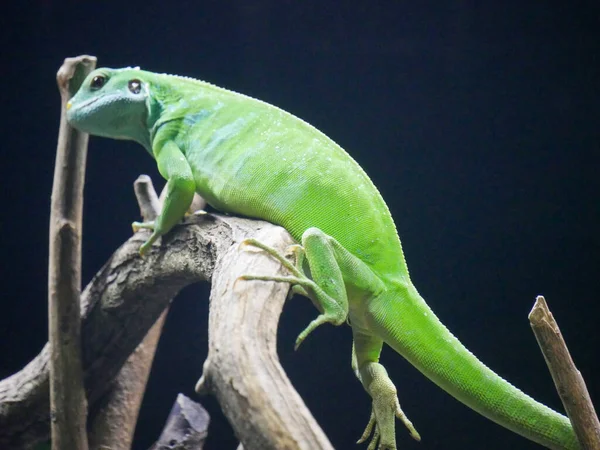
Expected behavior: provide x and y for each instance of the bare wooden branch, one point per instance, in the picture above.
(567, 379)
(116, 414)
(242, 368)
(119, 306)
(128, 295)
(115, 420)
(114, 425)
(67, 396)
(186, 427)
(149, 203)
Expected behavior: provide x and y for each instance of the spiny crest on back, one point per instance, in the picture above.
(205, 84)
(191, 80)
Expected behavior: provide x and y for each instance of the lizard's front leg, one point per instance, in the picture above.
(173, 166)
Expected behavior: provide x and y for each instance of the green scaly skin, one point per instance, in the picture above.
(250, 158)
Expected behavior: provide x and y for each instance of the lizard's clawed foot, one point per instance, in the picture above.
(137, 226)
(386, 408)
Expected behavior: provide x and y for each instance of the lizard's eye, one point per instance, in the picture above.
(97, 82)
(135, 86)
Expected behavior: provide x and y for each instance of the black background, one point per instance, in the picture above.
(478, 121)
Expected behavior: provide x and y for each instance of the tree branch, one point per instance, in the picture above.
(568, 380)
(242, 368)
(114, 420)
(67, 397)
(116, 417)
(126, 298)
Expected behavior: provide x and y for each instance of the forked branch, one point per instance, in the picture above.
(126, 298)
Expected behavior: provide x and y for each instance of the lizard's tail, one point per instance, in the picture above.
(412, 329)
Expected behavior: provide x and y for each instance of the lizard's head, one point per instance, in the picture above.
(111, 103)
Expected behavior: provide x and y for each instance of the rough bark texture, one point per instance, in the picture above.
(117, 412)
(126, 298)
(568, 380)
(119, 306)
(242, 367)
(115, 415)
(67, 396)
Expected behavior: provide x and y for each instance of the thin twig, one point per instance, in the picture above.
(567, 379)
(67, 397)
(150, 204)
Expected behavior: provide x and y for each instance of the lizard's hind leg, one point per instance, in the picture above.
(385, 406)
(325, 287)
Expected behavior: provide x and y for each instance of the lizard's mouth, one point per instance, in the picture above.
(88, 103)
(77, 112)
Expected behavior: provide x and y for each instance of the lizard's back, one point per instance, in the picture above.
(254, 159)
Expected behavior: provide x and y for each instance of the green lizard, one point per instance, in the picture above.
(247, 157)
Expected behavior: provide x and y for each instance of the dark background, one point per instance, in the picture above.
(478, 121)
